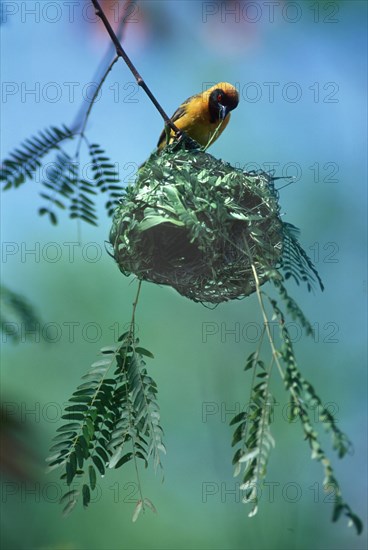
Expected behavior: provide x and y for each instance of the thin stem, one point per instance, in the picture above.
(265, 411)
(121, 53)
(254, 370)
(130, 341)
(104, 64)
(258, 351)
(84, 115)
(88, 112)
(275, 353)
(135, 303)
(82, 136)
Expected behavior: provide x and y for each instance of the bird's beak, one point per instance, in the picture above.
(223, 111)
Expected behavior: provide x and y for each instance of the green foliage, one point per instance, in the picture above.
(253, 433)
(68, 191)
(64, 187)
(295, 262)
(106, 178)
(112, 418)
(292, 307)
(303, 401)
(184, 221)
(17, 315)
(253, 425)
(303, 394)
(23, 162)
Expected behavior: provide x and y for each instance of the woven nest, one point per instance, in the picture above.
(196, 223)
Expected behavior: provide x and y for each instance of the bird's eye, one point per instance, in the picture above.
(219, 98)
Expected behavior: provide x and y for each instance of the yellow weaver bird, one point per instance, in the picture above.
(203, 117)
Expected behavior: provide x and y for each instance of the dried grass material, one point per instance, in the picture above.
(190, 222)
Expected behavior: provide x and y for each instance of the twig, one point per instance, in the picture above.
(102, 70)
(100, 84)
(121, 53)
(130, 340)
(275, 352)
(135, 303)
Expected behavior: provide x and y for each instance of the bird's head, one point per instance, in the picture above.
(222, 98)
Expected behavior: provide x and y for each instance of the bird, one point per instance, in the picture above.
(204, 116)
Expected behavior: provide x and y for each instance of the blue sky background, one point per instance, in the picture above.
(178, 47)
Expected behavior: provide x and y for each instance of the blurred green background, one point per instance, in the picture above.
(301, 72)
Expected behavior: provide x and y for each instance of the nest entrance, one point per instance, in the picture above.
(196, 223)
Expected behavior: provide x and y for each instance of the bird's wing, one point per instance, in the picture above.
(179, 113)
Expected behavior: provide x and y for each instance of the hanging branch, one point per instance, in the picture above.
(102, 71)
(88, 112)
(65, 188)
(303, 398)
(112, 418)
(121, 53)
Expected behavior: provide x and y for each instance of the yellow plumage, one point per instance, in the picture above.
(204, 116)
